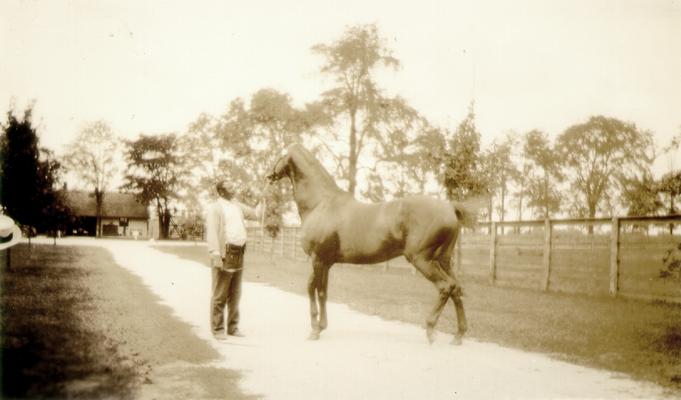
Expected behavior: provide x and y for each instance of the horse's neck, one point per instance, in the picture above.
(308, 193)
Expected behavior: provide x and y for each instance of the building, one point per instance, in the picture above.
(122, 215)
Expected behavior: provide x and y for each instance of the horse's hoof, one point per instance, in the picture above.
(430, 333)
(457, 341)
(314, 335)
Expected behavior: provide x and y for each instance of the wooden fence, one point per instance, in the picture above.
(618, 256)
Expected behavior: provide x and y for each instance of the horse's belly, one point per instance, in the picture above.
(369, 252)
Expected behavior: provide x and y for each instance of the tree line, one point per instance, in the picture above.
(378, 147)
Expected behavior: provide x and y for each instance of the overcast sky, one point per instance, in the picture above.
(153, 67)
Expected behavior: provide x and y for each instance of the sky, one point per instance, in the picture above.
(154, 66)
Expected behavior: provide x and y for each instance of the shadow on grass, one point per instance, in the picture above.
(46, 352)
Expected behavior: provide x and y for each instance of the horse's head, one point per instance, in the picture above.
(281, 168)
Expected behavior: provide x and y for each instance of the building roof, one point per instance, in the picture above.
(116, 205)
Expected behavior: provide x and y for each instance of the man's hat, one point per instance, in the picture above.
(10, 234)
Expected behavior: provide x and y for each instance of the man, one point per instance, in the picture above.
(226, 237)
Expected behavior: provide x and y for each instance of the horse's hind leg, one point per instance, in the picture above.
(461, 322)
(445, 261)
(444, 285)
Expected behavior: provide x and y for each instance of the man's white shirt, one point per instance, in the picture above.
(228, 216)
(234, 227)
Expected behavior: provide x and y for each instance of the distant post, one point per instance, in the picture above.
(547, 254)
(283, 240)
(614, 256)
(493, 253)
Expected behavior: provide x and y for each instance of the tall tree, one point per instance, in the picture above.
(499, 170)
(404, 149)
(243, 144)
(56, 214)
(463, 174)
(21, 170)
(91, 158)
(273, 124)
(599, 154)
(522, 179)
(353, 102)
(29, 177)
(542, 192)
(155, 174)
(216, 147)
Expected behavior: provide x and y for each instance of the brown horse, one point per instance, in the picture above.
(338, 228)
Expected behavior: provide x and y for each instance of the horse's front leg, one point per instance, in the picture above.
(322, 294)
(314, 313)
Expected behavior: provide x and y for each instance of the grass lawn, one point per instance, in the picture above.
(637, 338)
(74, 324)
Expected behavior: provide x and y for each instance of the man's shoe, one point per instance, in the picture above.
(220, 337)
(236, 333)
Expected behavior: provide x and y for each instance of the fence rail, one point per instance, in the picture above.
(621, 256)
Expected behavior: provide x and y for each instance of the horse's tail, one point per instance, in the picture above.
(467, 210)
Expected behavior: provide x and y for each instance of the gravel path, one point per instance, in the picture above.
(359, 356)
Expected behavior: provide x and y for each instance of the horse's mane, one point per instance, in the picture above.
(309, 165)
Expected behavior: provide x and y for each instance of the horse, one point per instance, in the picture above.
(337, 228)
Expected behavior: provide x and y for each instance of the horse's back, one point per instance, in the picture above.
(424, 208)
(347, 230)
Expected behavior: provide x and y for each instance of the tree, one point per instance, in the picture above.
(542, 189)
(91, 158)
(156, 174)
(640, 195)
(355, 99)
(56, 214)
(498, 169)
(598, 155)
(21, 181)
(463, 175)
(243, 144)
(215, 149)
(670, 185)
(404, 152)
(273, 124)
(29, 177)
(522, 181)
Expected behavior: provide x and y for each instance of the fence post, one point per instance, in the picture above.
(283, 236)
(547, 253)
(262, 237)
(493, 253)
(614, 256)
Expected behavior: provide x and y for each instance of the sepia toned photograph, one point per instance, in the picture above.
(293, 200)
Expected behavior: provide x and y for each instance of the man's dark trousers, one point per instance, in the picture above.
(226, 291)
